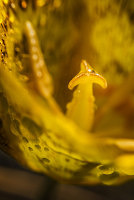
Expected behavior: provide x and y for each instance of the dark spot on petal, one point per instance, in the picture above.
(25, 139)
(16, 49)
(16, 125)
(70, 171)
(56, 169)
(32, 127)
(37, 147)
(46, 149)
(92, 71)
(45, 160)
(30, 149)
(67, 159)
(118, 66)
(48, 168)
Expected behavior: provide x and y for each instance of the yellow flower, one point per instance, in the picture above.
(84, 144)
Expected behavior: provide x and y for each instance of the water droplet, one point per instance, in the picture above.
(39, 74)
(35, 57)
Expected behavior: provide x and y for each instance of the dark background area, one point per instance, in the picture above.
(17, 183)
